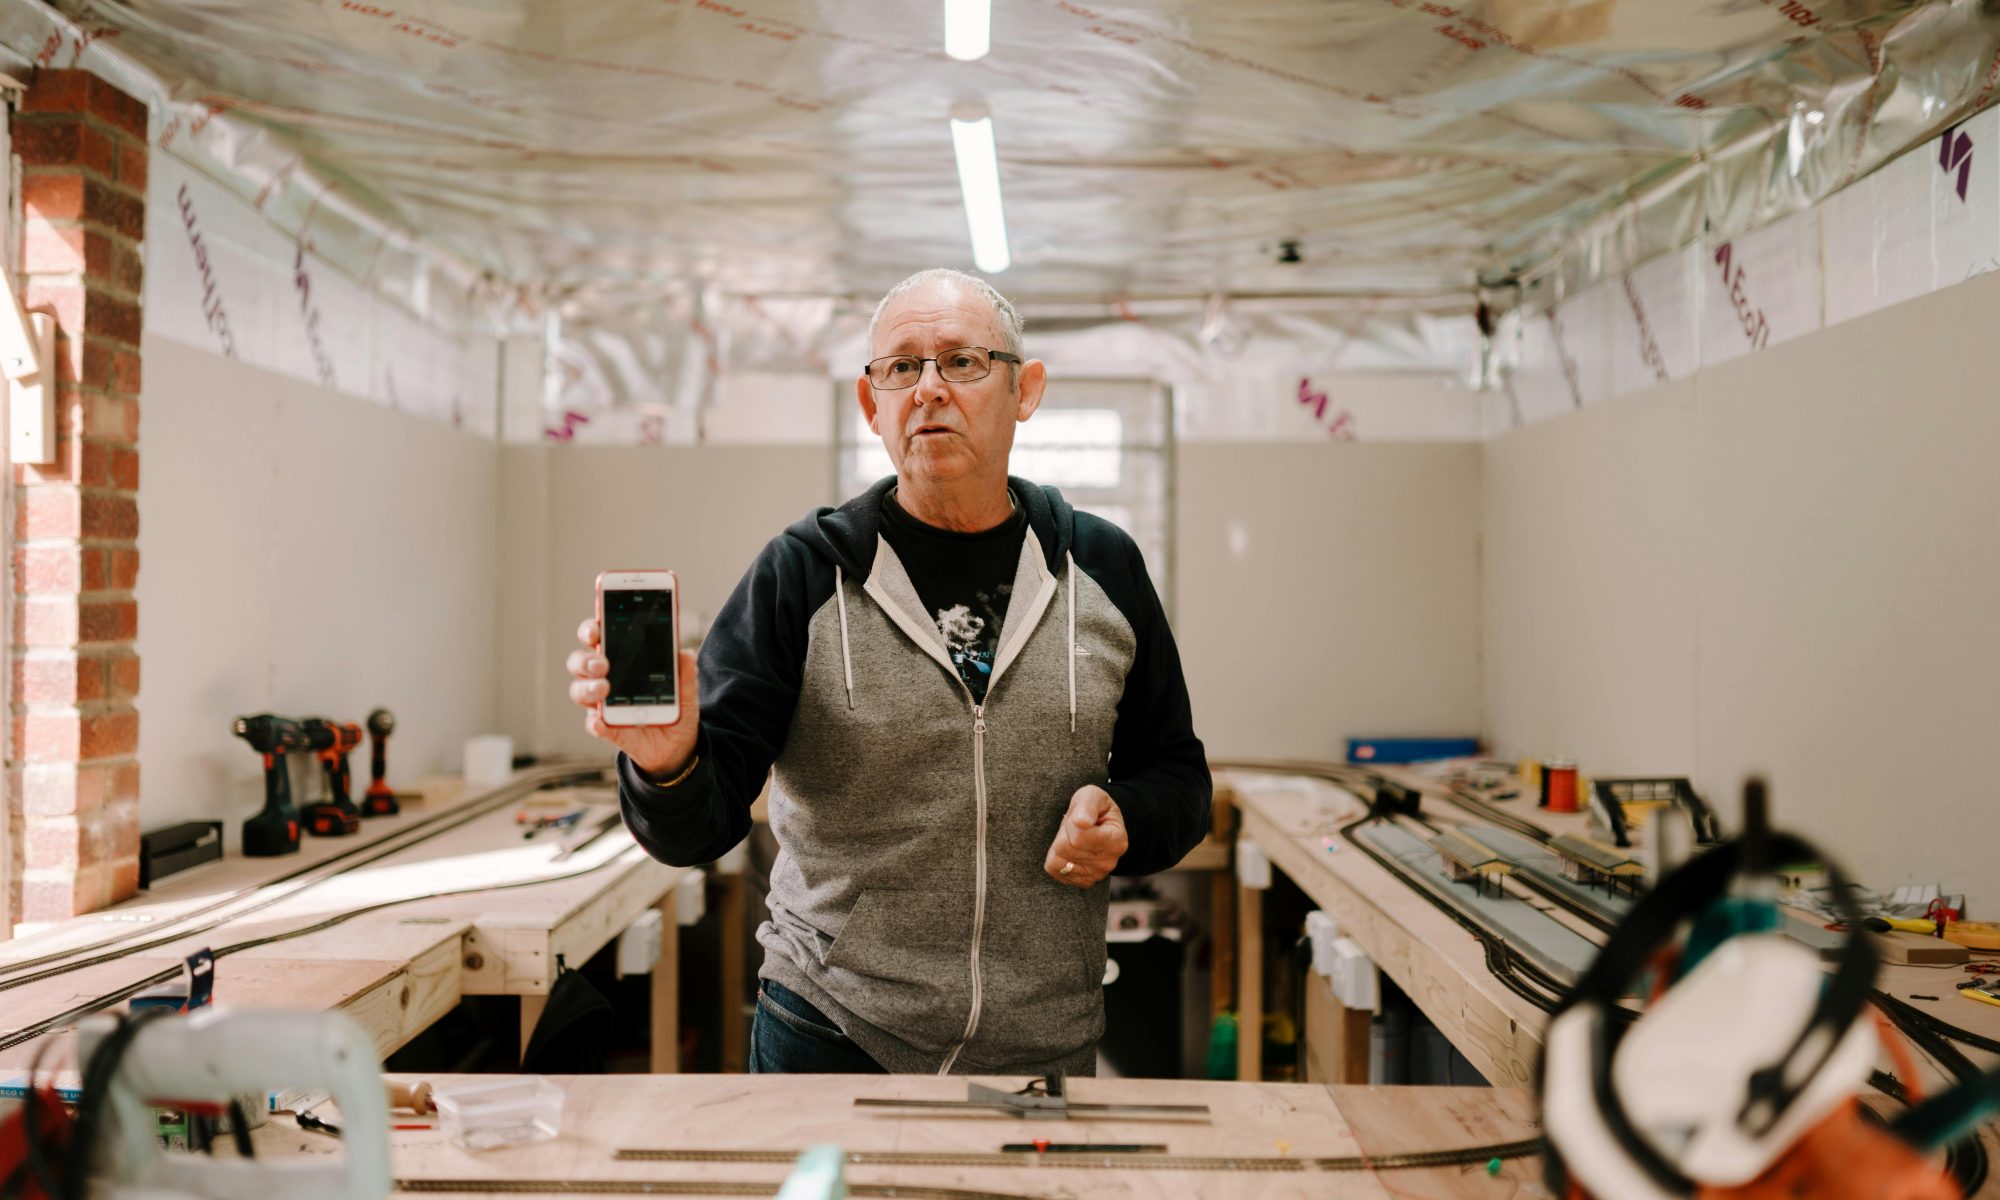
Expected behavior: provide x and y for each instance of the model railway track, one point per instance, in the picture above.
(1507, 965)
(1967, 1159)
(431, 827)
(189, 924)
(1086, 1161)
(672, 1187)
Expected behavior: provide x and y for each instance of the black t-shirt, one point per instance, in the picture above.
(964, 580)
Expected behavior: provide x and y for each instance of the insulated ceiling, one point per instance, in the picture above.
(603, 154)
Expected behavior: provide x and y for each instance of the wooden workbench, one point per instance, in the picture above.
(603, 1114)
(398, 969)
(1295, 820)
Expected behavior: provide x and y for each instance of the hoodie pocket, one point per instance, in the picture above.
(902, 962)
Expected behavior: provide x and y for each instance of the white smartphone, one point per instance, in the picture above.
(639, 627)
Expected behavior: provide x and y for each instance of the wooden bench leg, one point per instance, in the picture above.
(667, 991)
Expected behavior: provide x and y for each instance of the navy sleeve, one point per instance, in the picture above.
(751, 665)
(1159, 772)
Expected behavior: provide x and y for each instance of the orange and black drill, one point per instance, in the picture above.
(274, 830)
(334, 740)
(380, 799)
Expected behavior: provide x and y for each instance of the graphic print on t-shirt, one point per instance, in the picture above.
(972, 637)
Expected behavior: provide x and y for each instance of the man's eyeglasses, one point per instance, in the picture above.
(963, 365)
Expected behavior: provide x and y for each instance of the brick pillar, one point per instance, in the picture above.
(74, 773)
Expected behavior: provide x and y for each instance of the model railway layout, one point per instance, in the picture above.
(1539, 904)
(183, 930)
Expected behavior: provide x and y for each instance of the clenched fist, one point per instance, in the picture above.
(1091, 840)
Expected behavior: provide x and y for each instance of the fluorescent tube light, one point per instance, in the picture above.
(979, 183)
(968, 28)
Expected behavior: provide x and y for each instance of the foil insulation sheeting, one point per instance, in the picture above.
(677, 188)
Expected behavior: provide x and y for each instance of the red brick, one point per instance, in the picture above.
(112, 418)
(114, 317)
(108, 735)
(124, 471)
(78, 91)
(96, 570)
(87, 361)
(66, 680)
(123, 569)
(48, 737)
(49, 570)
(107, 621)
(64, 139)
(48, 140)
(93, 463)
(51, 249)
(112, 832)
(117, 109)
(124, 879)
(124, 781)
(69, 193)
(60, 895)
(49, 512)
(132, 165)
(57, 789)
(54, 842)
(60, 295)
(46, 621)
(126, 370)
(121, 677)
(65, 467)
(109, 516)
(52, 195)
(54, 90)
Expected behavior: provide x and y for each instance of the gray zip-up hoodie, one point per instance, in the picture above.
(908, 900)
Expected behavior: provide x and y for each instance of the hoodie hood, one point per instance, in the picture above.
(846, 536)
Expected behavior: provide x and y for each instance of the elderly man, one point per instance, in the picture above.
(976, 714)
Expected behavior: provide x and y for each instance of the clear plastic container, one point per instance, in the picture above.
(514, 1111)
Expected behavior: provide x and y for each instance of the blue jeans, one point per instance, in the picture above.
(792, 1037)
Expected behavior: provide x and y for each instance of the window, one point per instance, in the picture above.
(1107, 443)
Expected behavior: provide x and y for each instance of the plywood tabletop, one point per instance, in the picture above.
(407, 954)
(604, 1114)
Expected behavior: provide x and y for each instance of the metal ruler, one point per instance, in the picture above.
(671, 1187)
(1084, 1160)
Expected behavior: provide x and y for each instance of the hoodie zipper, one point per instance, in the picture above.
(979, 872)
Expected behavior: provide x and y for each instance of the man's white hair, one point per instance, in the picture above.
(1004, 314)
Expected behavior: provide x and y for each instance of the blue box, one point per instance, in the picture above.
(1383, 751)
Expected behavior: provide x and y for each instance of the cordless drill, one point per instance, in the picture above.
(334, 740)
(275, 830)
(380, 800)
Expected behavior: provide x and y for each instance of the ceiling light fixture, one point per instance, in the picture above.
(979, 183)
(968, 28)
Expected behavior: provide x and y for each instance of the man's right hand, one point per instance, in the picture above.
(662, 752)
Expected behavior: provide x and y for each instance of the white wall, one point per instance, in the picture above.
(310, 553)
(573, 511)
(1325, 591)
(1786, 564)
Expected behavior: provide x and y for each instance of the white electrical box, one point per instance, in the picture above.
(1354, 976)
(639, 945)
(691, 899)
(1253, 869)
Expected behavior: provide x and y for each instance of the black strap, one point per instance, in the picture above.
(1655, 920)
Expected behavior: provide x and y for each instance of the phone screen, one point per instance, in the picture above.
(639, 643)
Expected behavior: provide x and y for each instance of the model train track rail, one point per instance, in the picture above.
(673, 1187)
(1083, 1160)
(554, 776)
(256, 898)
